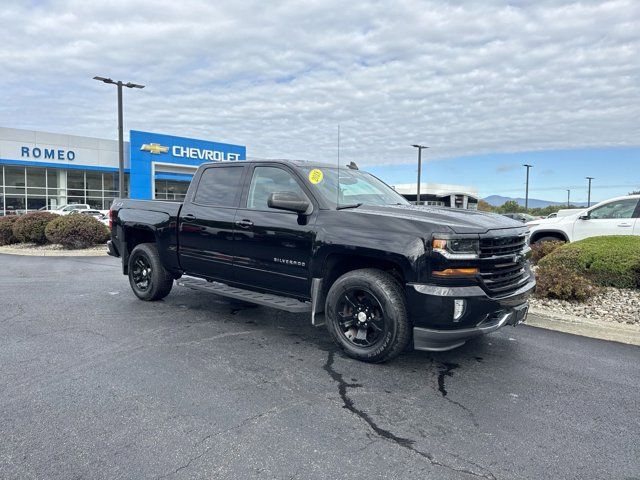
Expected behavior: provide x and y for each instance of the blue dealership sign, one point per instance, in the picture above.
(154, 153)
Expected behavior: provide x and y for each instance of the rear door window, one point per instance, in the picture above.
(219, 186)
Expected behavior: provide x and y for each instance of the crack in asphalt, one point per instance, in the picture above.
(406, 443)
(446, 370)
(204, 439)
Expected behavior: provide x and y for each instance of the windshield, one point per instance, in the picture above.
(356, 187)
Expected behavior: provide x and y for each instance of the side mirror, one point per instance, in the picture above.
(292, 202)
(584, 217)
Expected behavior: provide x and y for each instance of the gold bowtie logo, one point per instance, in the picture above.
(154, 148)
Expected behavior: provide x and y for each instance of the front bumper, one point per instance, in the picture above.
(431, 311)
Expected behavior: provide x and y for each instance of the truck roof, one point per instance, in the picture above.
(292, 162)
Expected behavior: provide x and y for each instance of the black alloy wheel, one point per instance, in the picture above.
(142, 273)
(361, 317)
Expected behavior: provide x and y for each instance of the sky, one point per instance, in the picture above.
(486, 85)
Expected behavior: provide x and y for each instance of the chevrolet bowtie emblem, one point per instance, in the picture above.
(154, 148)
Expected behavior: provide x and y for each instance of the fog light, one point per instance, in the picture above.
(459, 307)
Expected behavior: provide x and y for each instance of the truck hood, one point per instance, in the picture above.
(456, 219)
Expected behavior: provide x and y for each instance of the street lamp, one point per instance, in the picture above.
(420, 148)
(120, 84)
(568, 197)
(589, 195)
(526, 196)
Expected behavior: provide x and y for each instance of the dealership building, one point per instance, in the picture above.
(440, 194)
(42, 169)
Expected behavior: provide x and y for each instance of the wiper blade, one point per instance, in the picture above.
(353, 205)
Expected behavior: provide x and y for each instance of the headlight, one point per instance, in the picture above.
(457, 248)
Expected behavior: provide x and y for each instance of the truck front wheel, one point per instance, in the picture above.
(367, 315)
(148, 278)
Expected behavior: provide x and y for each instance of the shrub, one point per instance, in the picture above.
(77, 231)
(612, 261)
(30, 227)
(6, 230)
(542, 249)
(558, 281)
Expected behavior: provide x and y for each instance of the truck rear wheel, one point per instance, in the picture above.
(366, 315)
(148, 278)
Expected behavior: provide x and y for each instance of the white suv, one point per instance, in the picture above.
(618, 216)
(67, 209)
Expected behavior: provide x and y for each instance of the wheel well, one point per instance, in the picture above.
(339, 264)
(136, 236)
(133, 237)
(537, 235)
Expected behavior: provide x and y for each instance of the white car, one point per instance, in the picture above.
(67, 209)
(617, 216)
(97, 214)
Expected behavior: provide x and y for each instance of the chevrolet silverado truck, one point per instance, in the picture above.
(382, 274)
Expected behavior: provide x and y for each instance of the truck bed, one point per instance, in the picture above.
(164, 206)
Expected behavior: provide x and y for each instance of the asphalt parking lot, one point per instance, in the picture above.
(97, 384)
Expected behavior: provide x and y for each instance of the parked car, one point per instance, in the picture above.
(521, 217)
(67, 209)
(617, 216)
(340, 245)
(97, 214)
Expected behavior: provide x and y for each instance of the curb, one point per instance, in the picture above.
(621, 333)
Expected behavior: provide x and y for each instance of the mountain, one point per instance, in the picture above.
(497, 200)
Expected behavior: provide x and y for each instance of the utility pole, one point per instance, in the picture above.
(568, 197)
(420, 148)
(120, 84)
(526, 196)
(589, 194)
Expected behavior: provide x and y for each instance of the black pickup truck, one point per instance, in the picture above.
(338, 243)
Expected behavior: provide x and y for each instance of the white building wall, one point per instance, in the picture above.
(88, 151)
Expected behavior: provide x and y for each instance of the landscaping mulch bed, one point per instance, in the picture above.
(52, 250)
(616, 305)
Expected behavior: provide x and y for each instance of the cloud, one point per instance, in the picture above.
(508, 167)
(464, 78)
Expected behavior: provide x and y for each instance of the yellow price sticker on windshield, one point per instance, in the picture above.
(316, 176)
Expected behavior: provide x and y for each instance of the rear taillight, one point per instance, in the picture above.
(110, 219)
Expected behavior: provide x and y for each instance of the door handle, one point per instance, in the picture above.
(624, 224)
(244, 223)
(189, 216)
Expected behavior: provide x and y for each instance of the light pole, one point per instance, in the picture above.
(120, 84)
(526, 196)
(589, 194)
(568, 197)
(420, 148)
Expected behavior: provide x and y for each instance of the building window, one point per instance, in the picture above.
(171, 190)
(25, 189)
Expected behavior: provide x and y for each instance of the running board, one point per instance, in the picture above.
(265, 299)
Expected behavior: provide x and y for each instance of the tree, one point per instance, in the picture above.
(636, 192)
(510, 206)
(485, 206)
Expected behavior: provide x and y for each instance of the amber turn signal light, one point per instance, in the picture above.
(455, 272)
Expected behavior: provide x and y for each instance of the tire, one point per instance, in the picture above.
(549, 239)
(385, 332)
(148, 285)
